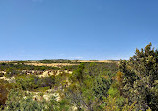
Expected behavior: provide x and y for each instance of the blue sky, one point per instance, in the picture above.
(76, 29)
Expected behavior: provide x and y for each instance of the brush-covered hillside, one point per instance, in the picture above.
(78, 85)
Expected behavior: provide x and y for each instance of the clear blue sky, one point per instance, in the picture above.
(76, 29)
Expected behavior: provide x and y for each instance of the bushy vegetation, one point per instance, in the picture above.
(139, 79)
(4, 90)
(131, 85)
(70, 67)
(57, 61)
(33, 83)
(11, 66)
(13, 69)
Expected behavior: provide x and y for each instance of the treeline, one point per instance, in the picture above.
(105, 66)
(18, 66)
(58, 61)
(13, 69)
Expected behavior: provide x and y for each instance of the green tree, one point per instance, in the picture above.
(140, 74)
(88, 87)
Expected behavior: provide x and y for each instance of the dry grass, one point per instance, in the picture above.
(106, 61)
(52, 64)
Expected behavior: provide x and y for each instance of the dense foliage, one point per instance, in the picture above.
(70, 68)
(18, 66)
(140, 79)
(33, 83)
(131, 85)
(89, 85)
(58, 61)
(13, 69)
